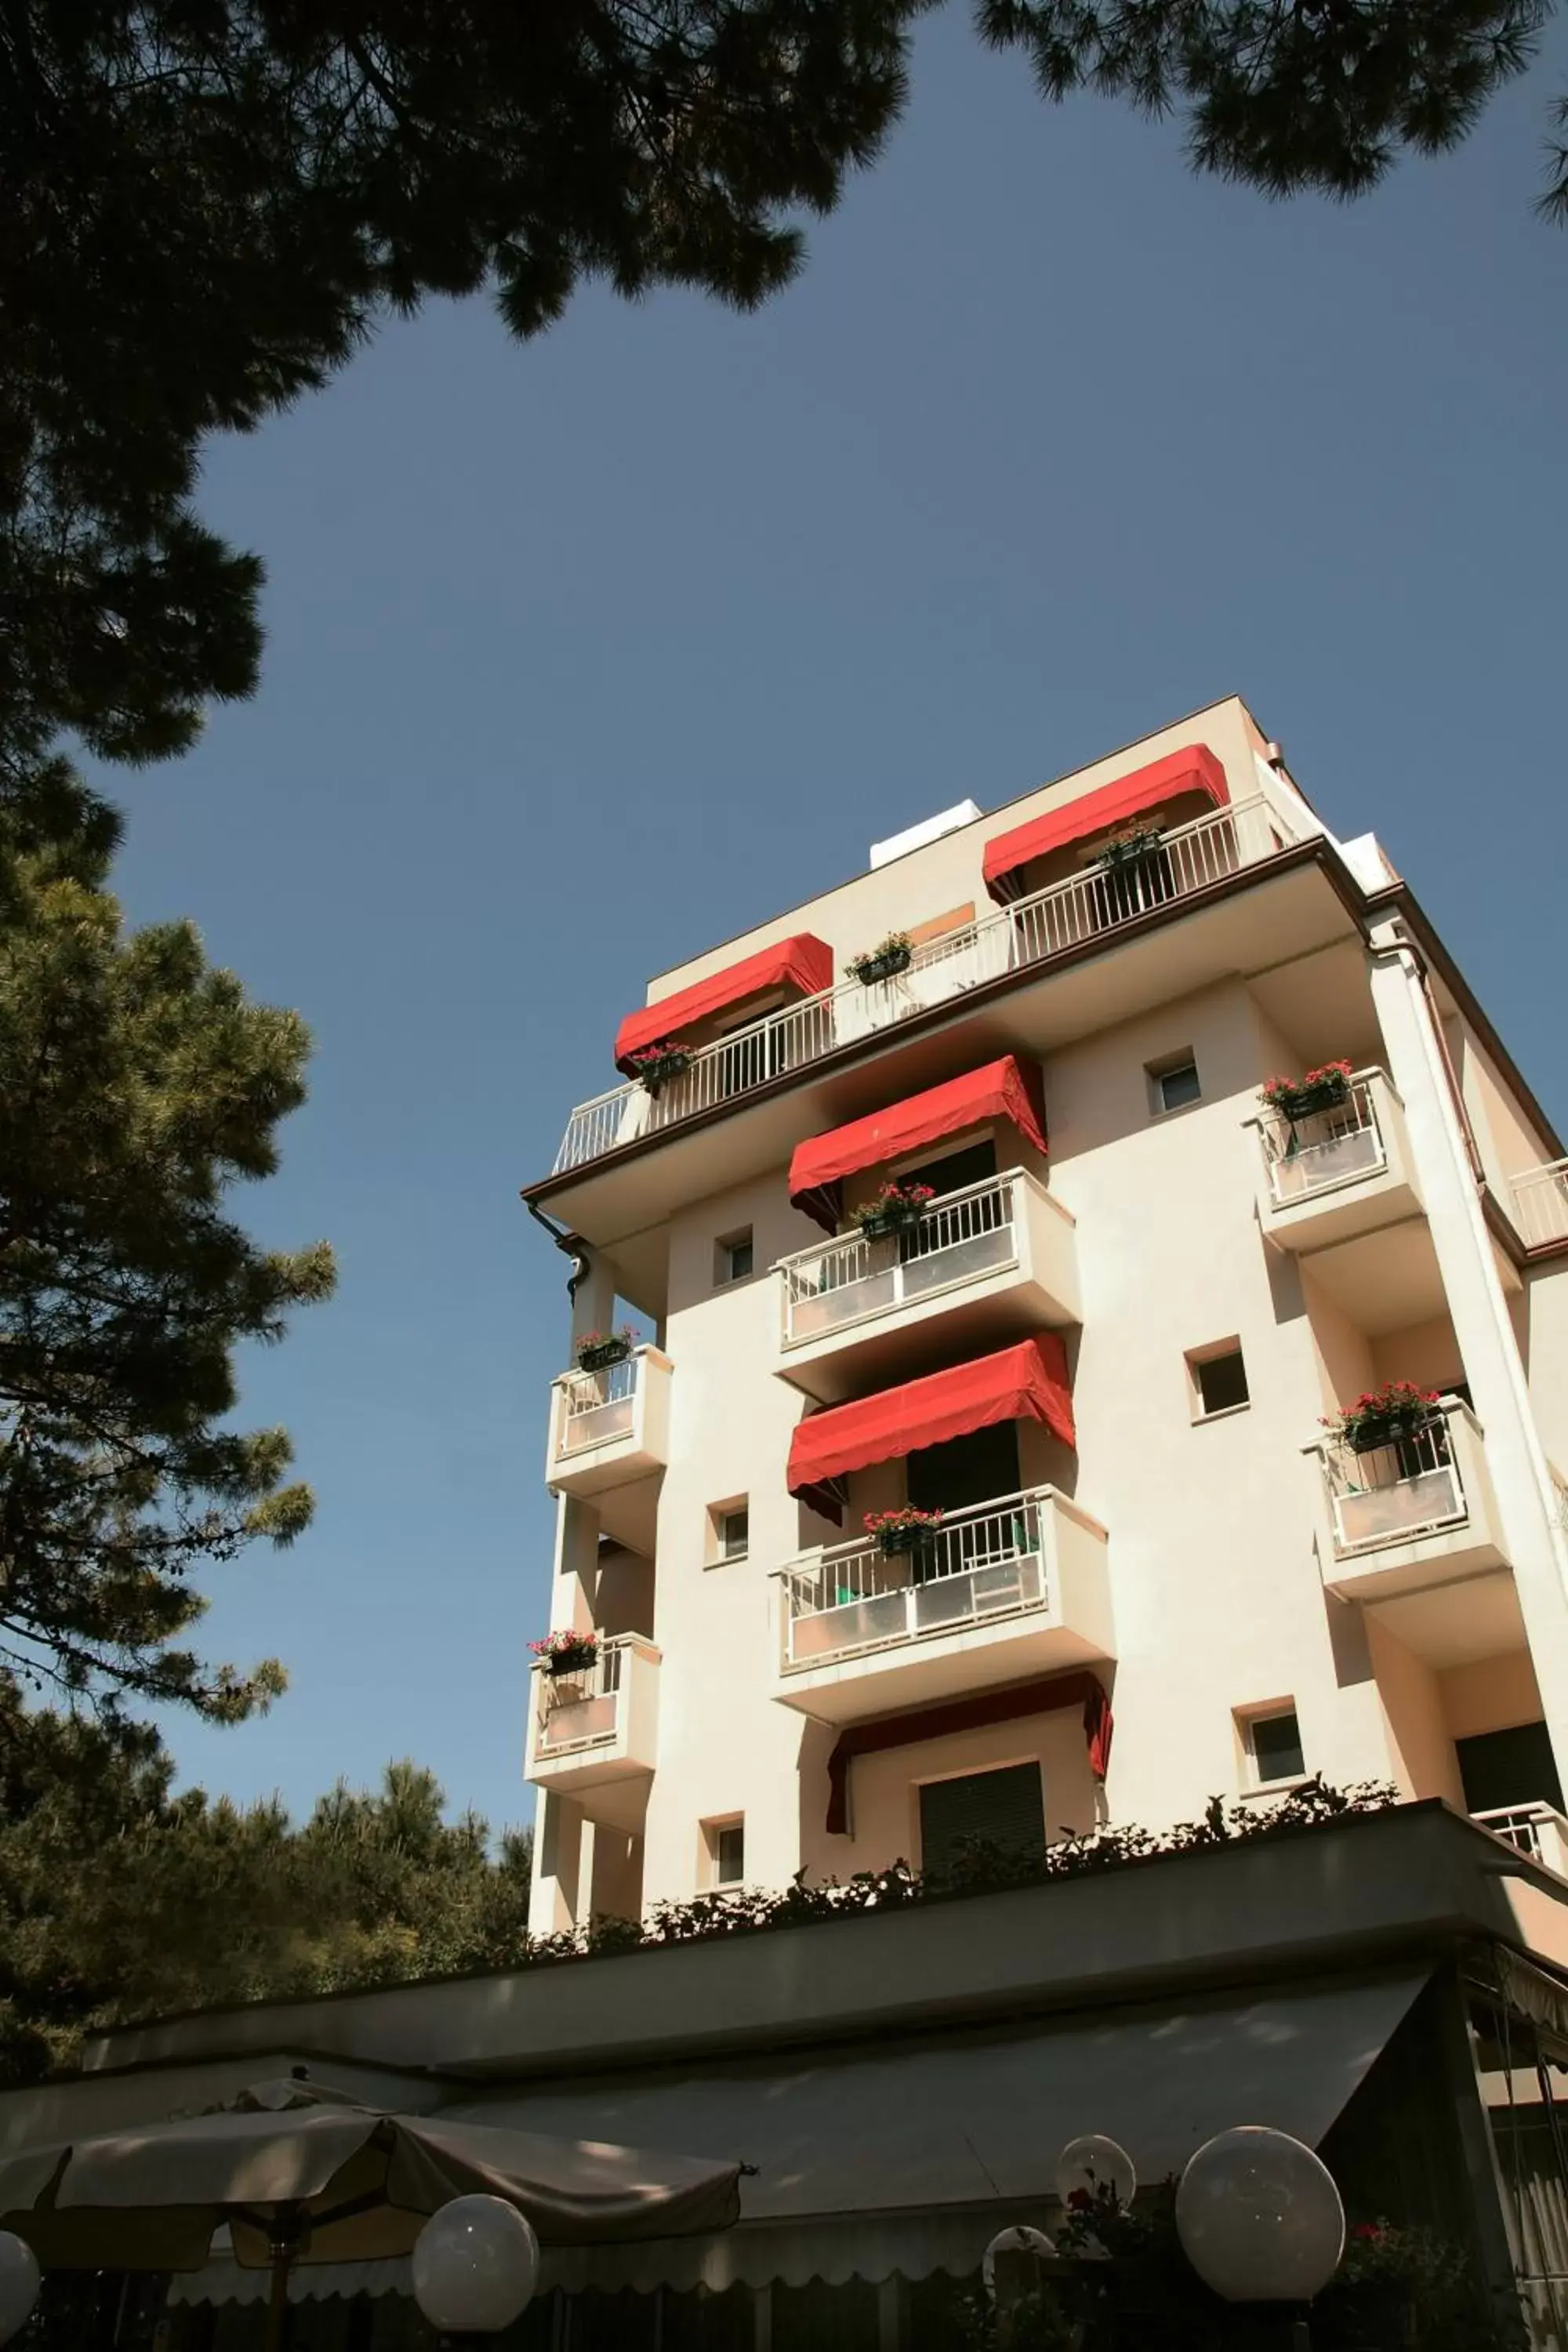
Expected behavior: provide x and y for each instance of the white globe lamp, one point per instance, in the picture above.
(1092, 2166)
(19, 2284)
(1013, 2250)
(1260, 2217)
(476, 2264)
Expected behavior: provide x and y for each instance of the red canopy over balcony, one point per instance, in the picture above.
(804, 964)
(1024, 1382)
(1004, 1089)
(1195, 769)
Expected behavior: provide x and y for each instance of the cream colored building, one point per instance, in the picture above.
(1105, 1354)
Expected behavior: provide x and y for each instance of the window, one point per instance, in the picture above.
(1004, 1808)
(729, 1529)
(1218, 1378)
(1173, 1082)
(734, 1532)
(1273, 1744)
(732, 1257)
(1508, 1767)
(726, 1851)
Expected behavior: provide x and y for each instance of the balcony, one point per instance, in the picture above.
(1412, 1530)
(1538, 1829)
(611, 1427)
(1338, 1173)
(1029, 933)
(995, 1260)
(592, 1734)
(1004, 1591)
(1541, 1203)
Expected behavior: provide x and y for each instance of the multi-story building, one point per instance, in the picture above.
(1105, 1352)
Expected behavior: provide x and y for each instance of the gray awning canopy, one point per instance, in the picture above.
(909, 2159)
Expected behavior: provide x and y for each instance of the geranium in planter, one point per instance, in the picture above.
(903, 1530)
(596, 1350)
(567, 1652)
(1384, 1416)
(894, 955)
(1323, 1089)
(1135, 846)
(895, 1209)
(653, 1066)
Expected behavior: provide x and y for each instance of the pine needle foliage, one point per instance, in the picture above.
(138, 1086)
(119, 1900)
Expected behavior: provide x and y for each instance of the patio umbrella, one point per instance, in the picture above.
(302, 2174)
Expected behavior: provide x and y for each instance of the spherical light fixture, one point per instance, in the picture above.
(19, 2284)
(1007, 2246)
(476, 2264)
(1260, 2217)
(1092, 2166)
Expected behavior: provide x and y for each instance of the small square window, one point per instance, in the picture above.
(733, 1257)
(1274, 1751)
(727, 1853)
(1174, 1082)
(1219, 1380)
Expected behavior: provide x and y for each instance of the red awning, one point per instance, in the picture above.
(803, 963)
(1004, 1090)
(1195, 769)
(1028, 1382)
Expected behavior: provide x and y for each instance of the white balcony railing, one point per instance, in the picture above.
(1031, 931)
(1396, 1491)
(1540, 1203)
(1538, 1829)
(578, 1710)
(963, 1235)
(597, 1406)
(981, 1564)
(1326, 1149)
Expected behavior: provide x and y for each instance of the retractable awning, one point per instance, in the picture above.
(803, 963)
(1028, 1382)
(1194, 770)
(1005, 1090)
(908, 2158)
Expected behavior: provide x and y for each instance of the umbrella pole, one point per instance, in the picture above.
(278, 2300)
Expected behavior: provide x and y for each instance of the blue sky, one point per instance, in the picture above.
(586, 654)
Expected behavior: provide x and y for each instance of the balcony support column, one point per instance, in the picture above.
(1482, 1326)
(558, 1857)
(594, 1299)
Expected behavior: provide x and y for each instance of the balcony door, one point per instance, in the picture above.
(961, 1230)
(978, 1468)
(1508, 1767)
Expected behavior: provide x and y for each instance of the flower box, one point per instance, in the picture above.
(1131, 849)
(885, 962)
(1323, 1090)
(656, 1064)
(1386, 1416)
(597, 1350)
(571, 1662)
(566, 1652)
(895, 1209)
(900, 1533)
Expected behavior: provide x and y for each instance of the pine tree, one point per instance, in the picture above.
(137, 1086)
(119, 1900)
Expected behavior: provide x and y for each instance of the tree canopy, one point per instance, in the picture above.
(137, 1086)
(119, 1900)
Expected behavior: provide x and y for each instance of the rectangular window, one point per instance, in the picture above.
(727, 1852)
(1508, 1767)
(1004, 1808)
(732, 1257)
(734, 1533)
(1173, 1082)
(1218, 1377)
(1273, 1744)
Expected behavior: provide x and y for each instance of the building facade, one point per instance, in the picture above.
(1099, 1344)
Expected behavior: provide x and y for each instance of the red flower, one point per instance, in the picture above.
(1370, 2230)
(1079, 2201)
